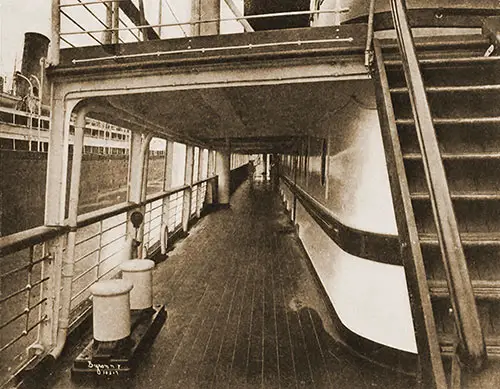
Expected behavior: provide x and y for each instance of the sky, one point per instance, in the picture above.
(16, 18)
(20, 16)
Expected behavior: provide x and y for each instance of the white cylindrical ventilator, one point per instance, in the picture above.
(111, 309)
(139, 272)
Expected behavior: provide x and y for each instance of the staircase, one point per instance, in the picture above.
(463, 90)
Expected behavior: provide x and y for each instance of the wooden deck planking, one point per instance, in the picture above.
(244, 311)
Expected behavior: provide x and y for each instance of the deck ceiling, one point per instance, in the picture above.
(253, 118)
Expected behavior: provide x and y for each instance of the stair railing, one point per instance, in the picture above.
(471, 348)
(431, 372)
(369, 35)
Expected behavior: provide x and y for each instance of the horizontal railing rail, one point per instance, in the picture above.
(363, 244)
(113, 210)
(289, 44)
(27, 279)
(32, 261)
(25, 239)
(114, 22)
(104, 213)
(163, 194)
(471, 348)
(207, 21)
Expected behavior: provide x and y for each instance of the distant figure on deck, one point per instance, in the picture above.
(274, 172)
(251, 171)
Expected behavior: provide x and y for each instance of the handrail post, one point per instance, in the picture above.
(369, 35)
(109, 23)
(471, 349)
(55, 42)
(115, 22)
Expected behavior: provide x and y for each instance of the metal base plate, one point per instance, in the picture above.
(118, 359)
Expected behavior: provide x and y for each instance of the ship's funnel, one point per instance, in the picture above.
(35, 48)
(258, 7)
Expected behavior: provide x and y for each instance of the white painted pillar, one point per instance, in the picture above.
(115, 35)
(188, 193)
(68, 260)
(223, 168)
(57, 163)
(205, 10)
(210, 171)
(145, 155)
(55, 43)
(167, 184)
(107, 35)
(195, 17)
(264, 161)
(135, 168)
(143, 249)
(135, 188)
(169, 163)
(198, 177)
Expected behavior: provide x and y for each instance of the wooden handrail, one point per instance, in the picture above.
(24, 239)
(203, 180)
(363, 244)
(432, 372)
(28, 238)
(471, 347)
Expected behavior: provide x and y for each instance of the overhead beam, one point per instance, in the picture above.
(138, 18)
(236, 11)
(230, 121)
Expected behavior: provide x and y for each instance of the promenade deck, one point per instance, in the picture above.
(244, 311)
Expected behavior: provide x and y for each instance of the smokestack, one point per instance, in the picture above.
(257, 7)
(35, 47)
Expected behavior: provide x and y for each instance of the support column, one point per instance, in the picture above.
(167, 184)
(210, 197)
(136, 168)
(169, 162)
(264, 161)
(68, 260)
(57, 163)
(135, 188)
(115, 35)
(55, 41)
(188, 193)
(223, 169)
(205, 10)
(143, 248)
(107, 35)
(198, 175)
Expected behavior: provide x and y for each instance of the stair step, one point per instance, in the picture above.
(456, 156)
(494, 196)
(447, 62)
(445, 42)
(467, 238)
(453, 121)
(451, 89)
(447, 345)
(483, 289)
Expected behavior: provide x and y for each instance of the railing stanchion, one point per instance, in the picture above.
(68, 266)
(55, 42)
